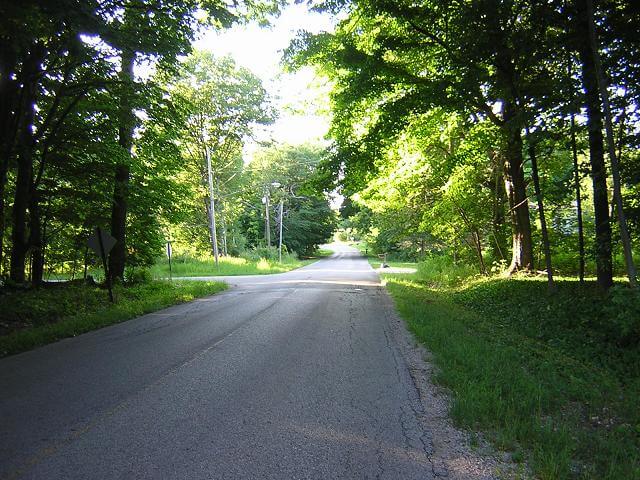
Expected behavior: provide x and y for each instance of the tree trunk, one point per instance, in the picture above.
(24, 149)
(515, 185)
(543, 221)
(223, 216)
(21, 201)
(576, 180)
(36, 242)
(615, 172)
(9, 116)
(225, 250)
(498, 217)
(604, 268)
(126, 125)
(478, 248)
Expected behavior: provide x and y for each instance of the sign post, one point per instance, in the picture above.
(169, 251)
(102, 243)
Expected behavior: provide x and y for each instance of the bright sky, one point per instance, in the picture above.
(300, 97)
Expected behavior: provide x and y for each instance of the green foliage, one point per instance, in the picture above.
(39, 316)
(288, 174)
(71, 122)
(540, 374)
(441, 271)
(430, 104)
(259, 261)
(308, 224)
(134, 275)
(621, 315)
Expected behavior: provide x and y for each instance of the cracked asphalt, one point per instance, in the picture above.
(290, 376)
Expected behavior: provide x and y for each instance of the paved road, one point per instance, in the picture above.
(290, 376)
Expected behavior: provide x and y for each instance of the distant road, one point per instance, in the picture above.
(289, 376)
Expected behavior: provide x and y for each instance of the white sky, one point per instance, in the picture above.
(260, 50)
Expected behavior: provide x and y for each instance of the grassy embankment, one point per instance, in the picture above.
(553, 379)
(30, 318)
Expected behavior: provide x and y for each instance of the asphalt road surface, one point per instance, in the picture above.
(290, 376)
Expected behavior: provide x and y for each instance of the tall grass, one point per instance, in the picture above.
(204, 266)
(553, 379)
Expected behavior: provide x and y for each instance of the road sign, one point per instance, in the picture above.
(169, 251)
(108, 242)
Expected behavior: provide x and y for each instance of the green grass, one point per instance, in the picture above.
(546, 377)
(375, 261)
(31, 318)
(205, 266)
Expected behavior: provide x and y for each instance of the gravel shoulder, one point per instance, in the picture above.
(451, 453)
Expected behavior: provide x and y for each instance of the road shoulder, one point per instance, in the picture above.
(451, 454)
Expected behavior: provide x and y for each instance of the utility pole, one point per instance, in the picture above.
(267, 226)
(280, 241)
(212, 207)
(223, 214)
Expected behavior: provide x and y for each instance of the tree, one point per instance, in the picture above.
(406, 59)
(55, 53)
(222, 104)
(287, 174)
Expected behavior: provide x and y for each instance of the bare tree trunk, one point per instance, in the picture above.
(223, 215)
(498, 216)
(604, 268)
(478, 247)
(576, 177)
(126, 125)
(543, 221)
(19, 244)
(212, 208)
(522, 245)
(615, 171)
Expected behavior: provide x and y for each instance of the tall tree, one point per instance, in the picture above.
(604, 267)
(223, 104)
(41, 42)
(482, 58)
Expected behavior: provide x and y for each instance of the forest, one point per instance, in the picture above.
(492, 145)
(110, 120)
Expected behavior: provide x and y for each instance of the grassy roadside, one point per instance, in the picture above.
(555, 380)
(205, 266)
(32, 318)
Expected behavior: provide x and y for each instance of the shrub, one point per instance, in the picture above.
(133, 275)
(259, 253)
(441, 270)
(622, 314)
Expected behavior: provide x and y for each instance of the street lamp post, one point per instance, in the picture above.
(267, 225)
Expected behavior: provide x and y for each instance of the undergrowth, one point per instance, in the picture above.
(188, 266)
(552, 378)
